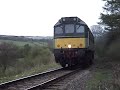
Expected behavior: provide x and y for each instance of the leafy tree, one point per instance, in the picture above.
(111, 19)
(8, 55)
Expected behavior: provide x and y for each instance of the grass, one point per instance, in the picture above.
(32, 71)
(99, 78)
(38, 58)
(22, 43)
(103, 77)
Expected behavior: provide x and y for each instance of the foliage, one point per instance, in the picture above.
(22, 43)
(114, 50)
(50, 45)
(113, 6)
(37, 56)
(111, 19)
(8, 55)
(104, 77)
(26, 49)
(108, 44)
(24, 60)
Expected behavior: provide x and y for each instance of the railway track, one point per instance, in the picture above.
(47, 80)
(24, 83)
(30, 82)
(55, 83)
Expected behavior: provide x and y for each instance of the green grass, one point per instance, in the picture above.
(32, 71)
(100, 77)
(39, 58)
(103, 77)
(22, 43)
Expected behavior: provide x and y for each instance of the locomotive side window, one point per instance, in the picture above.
(80, 29)
(69, 28)
(58, 30)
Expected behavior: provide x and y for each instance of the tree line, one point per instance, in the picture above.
(110, 40)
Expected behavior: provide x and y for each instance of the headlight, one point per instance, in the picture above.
(69, 46)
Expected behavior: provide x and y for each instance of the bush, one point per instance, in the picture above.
(8, 55)
(23, 60)
(109, 50)
(113, 51)
(38, 55)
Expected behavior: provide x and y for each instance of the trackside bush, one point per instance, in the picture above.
(24, 59)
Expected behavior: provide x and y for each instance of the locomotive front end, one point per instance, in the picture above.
(70, 41)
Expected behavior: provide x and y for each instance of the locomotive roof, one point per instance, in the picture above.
(70, 19)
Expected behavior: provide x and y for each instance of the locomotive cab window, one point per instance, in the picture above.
(58, 30)
(80, 29)
(69, 28)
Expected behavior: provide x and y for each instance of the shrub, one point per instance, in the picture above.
(8, 55)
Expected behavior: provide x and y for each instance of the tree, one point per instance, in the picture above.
(97, 30)
(111, 20)
(112, 17)
(8, 55)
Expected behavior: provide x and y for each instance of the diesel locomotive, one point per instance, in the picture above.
(73, 42)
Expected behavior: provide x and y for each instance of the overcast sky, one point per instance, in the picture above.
(37, 17)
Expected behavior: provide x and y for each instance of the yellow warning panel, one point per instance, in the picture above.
(69, 43)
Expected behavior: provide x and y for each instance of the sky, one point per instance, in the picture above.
(37, 17)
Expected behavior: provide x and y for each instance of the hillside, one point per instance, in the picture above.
(22, 40)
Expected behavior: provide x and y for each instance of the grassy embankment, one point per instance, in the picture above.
(22, 43)
(106, 71)
(33, 58)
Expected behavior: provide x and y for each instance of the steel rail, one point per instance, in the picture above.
(51, 82)
(7, 84)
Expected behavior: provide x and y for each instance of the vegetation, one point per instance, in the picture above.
(22, 43)
(110, 40)
(19, 61)
(106, 74)
(104, 77)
